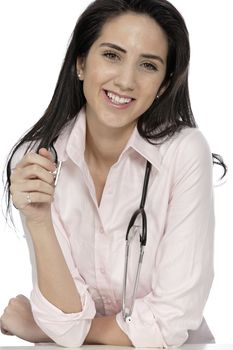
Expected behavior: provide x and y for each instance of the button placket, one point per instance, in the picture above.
(101, 245)
(107, 204)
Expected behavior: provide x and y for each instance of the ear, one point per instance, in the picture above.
(80, 67)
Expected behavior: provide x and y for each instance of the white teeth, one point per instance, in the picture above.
(118, 100)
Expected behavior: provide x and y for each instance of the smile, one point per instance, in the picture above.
(116, 99)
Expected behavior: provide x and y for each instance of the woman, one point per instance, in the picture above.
(120, 110)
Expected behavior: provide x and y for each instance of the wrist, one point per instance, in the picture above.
(40, 336)
(40, 229)
(105, 330)
(46, 223)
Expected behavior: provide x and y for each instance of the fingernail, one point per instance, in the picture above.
(53, 167)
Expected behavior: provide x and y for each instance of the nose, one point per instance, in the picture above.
(125, 78)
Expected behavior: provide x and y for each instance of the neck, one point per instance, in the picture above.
(104, 146)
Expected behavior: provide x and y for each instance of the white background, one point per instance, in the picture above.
(33, 38)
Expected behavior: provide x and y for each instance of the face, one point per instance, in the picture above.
(123, 71)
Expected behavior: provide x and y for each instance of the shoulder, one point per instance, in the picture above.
(187, 153)
(187, 143)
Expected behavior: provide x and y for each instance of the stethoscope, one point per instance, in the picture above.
(130, 234)
(132, 230)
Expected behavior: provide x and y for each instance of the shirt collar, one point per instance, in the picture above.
(71, 143)
(147, 150)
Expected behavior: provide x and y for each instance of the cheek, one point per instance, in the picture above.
(94, 80)
(150, 92)
(151, 88)
(97, 73)
(90, 83)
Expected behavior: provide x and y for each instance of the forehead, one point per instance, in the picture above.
(135, 31)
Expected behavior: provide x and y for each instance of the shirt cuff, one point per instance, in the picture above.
(142, 330)
(63, 328)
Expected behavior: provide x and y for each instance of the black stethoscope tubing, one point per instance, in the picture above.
(127, 311)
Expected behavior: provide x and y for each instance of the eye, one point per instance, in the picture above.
(149, 66)
(111, 56)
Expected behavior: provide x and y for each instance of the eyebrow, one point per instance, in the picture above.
(144, 55)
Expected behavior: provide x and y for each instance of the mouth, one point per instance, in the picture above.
(118, 99)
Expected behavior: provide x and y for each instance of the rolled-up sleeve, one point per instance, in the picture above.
(184, 271)
(69, 330)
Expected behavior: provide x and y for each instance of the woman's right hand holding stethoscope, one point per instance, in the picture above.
(32, 186)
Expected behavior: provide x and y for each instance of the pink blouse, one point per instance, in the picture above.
(177, 270)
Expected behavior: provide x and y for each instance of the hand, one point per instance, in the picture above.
(18, 320)
(32, 185)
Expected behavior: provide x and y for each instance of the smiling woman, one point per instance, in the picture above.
(133, 169)
(122, 75)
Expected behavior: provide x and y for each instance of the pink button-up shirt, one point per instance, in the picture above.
(177, 270)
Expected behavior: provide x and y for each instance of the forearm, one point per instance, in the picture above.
(54, 278)
(105, 330)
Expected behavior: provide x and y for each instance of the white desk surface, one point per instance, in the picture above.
(105, 347)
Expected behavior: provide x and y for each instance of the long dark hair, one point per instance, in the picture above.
(161, 120)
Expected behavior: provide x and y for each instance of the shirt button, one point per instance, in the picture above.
(101, 229)
(102, 270)
(109, 191)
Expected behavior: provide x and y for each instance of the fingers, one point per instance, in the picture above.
(32, 172)
(22, 298)
(32, 180)
(17, 302)
(5, 316)
(22, 200)
(34, 185)
(32, 191)
(15, 306)
(43, 159)
(4, 330)
(45, 153)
